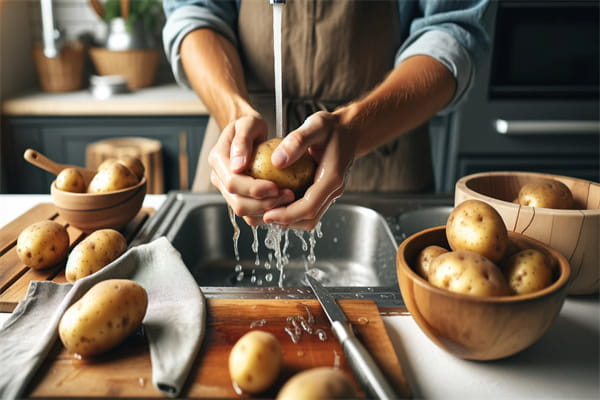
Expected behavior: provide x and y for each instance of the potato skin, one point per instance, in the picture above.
(255, 361)
(468, 273)
(547, 193)
(426, 257)
(528, 271)
(103, 317)
(296, 177)
(476, 226)
(113, 177)
(70, 180)
(94, 252)
(320, 383)
(43, 244)
(133, 163)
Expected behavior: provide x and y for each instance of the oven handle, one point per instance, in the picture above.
(546, 127)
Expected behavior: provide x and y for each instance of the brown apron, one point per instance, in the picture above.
(333, 52)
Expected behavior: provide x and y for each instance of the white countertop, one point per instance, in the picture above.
(168, 99)
(563, 364)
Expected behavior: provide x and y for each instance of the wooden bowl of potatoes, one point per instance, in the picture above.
(537, 205)
(111, 197)
(474, 316)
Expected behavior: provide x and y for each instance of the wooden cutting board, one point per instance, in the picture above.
(126, 371)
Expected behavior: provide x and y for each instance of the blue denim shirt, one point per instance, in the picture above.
(450, 31)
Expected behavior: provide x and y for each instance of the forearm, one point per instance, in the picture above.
(214, 70)
(411, 94)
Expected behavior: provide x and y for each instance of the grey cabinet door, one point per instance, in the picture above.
(65, 139)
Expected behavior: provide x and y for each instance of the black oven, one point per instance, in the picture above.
(534, 106)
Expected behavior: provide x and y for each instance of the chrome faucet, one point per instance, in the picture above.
(52, 37)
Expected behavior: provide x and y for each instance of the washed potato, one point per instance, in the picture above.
(94, 252)
(469, 273)
(113, 177)
(547, 193)
(43, 244)
(133, 163)
(476, 226)
(426, 256)
(70, 180)
(255, 361)
(320, 383)
(296, 177)
(103, 317)
(528, 271)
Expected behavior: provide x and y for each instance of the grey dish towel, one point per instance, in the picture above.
(175, 320)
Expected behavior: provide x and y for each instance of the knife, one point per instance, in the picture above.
(361, 362)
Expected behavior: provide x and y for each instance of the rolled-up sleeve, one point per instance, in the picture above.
(185, 16)
(452, 32)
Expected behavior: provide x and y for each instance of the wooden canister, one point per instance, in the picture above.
(149, 151)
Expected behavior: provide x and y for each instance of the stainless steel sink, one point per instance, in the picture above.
(354, 250)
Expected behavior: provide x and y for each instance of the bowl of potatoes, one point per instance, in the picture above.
(107, 198)
(560, 211)
(477, 290)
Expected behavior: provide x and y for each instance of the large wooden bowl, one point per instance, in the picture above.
(90, 211)
(574, 233)
(474, 327)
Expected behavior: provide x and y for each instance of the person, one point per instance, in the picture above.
(360, 81)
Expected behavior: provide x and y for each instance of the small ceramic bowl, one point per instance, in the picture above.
(90, 211)
(479, 327)
(575, 233)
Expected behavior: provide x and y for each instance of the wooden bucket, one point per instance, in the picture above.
(149, 151)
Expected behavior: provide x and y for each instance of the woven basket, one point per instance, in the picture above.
(63, 73)
(137, 66)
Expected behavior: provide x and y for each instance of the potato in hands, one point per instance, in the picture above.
(103, 317)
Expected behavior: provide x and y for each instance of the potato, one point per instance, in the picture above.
(103, 317)
(255, 361)
(70, 180)
(468, 273)
(476, 226)
(133, 163)
(426, 256)
(547, 193)
(296, 177)
(94, 252)
(528, 271)
(320, 383)
(43, 244)
(113, 177)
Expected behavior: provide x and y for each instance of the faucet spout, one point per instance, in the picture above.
(276, 2)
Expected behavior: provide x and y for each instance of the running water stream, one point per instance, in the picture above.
(277, 13)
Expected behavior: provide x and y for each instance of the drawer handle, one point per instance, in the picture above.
(548, 127)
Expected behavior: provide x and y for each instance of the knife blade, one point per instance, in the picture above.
(362, 364)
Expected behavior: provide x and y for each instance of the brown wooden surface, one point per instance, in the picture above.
(126, 371)
(15, 276)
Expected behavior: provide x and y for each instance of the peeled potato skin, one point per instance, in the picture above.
(468, 273)
(70, 180)
(255, 361)
(528, 271)
(42, 244)
(320, 383)
(296, 177)
(548, 193)
(426, 257)
(476, 226)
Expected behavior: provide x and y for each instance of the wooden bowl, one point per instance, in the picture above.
(574, 233)
(90, 211)
(474, 327)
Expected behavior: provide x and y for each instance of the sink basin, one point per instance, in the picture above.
(353, 252)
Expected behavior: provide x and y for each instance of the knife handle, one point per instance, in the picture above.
(362, 364)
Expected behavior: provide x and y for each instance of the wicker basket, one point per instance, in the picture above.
(63, 73)
(137, 66)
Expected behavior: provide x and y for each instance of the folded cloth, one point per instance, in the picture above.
(175, 320)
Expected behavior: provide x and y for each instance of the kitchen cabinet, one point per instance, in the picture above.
(64, 139)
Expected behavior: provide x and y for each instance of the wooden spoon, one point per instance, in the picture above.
(41, 161)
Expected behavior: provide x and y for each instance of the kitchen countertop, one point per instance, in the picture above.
(563, 364)
(168, 99)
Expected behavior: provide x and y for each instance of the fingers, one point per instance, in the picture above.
(314, 132)
(248, 131)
